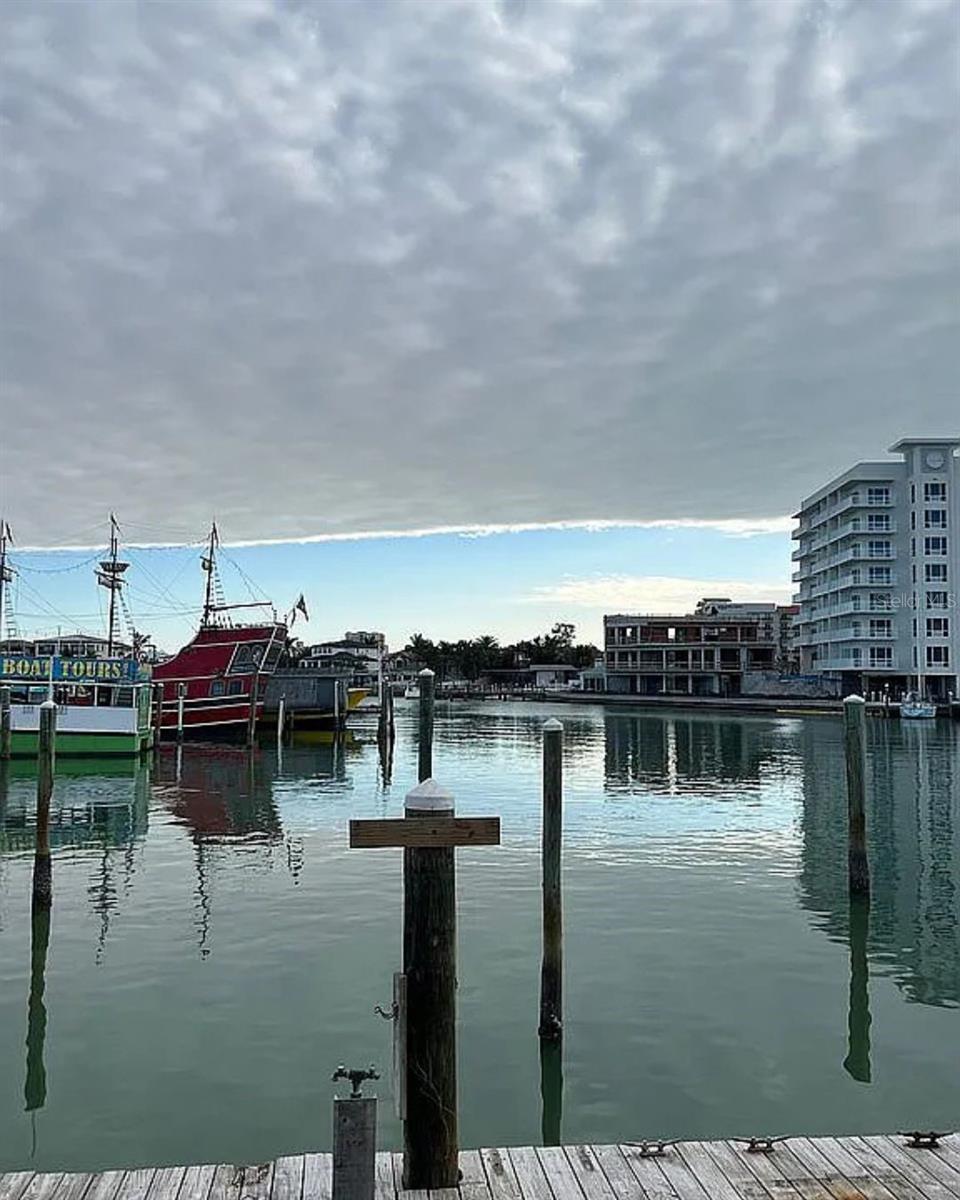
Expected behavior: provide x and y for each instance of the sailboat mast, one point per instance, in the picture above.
(209, 564)
(110, 576)
(6, 575)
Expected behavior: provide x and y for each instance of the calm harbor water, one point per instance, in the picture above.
(215, 950)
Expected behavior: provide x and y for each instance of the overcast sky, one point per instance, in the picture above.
(324, 266)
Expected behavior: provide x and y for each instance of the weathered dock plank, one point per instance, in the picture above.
(288, 1178)
(830, 1168)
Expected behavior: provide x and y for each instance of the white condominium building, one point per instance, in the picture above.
(878, 570)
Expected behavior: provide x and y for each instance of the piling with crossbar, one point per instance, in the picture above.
(6, 723)
(427, 681)
(430, 1142)
(46, 755)
(855, 751)
(551, 969)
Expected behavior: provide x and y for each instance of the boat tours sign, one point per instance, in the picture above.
(23, 669)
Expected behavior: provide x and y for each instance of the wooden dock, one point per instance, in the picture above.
(833, 1168)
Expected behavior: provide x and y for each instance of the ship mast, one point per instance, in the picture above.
(110, 576)
(209, 563)
(6, 573)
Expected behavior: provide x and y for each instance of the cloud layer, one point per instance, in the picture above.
(653, 593)
(320, 267)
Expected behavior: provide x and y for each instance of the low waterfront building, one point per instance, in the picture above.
(704, 653)
(357, 656)
(551, 675)
(68, 645)
(877, 567)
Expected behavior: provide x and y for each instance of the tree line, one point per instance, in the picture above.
(469, 658)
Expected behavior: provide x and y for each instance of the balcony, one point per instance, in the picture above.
(849, 664)
(856, 499)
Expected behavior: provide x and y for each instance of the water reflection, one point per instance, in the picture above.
(87, 809)
(857, 1062)
(687, 752)
(35, 1088)
(219, 791)
(912, 840)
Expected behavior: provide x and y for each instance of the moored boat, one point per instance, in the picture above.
(103, 704)
(914, 708)
(216, 684)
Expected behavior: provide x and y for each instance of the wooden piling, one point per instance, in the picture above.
(430, 1144)
(551, 969)
(181, 696)
(252, 721)
(6, 723)
(354, 1147)
(427, 699)
(281, 718)
(46, 757)
(855, 750)
(551, 1092)
(157, 712)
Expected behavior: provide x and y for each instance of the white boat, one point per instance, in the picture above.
(412, 692)
(914, 708)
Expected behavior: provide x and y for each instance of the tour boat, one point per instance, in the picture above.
(103, 704)
(100, 687)
(215, 685)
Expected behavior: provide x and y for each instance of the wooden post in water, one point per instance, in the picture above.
(430, 1138)
(281, 718)
(181, 696)
(46, 753)
(252, 721)
(157, 712)
(386, 730)
(551, 969)
(427, 696)
(6, 724)
(855, 750)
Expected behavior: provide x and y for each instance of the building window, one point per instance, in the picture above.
(881, 656)
(878, 549)
(935, 545)
(913, 493)
(938, 627)
(935, 518)
(935, 572)
(880, 600)
(937, 600)
(934, 492)
(878, 495)
(878, 523)
(236, 687)
(877, 575)
(938, 656)
(216, 688)
(881, 628)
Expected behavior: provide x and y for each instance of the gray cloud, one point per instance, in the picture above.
(328, 266)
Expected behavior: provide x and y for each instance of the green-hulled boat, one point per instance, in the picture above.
(104, 705)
